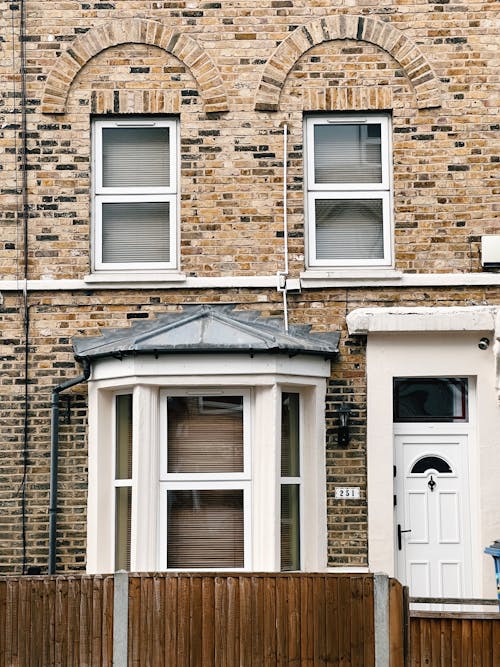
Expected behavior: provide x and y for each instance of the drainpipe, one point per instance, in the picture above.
(54, 459)
(283, 275)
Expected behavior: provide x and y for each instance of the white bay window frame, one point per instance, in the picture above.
(261, 381)
(359, 191)
(103, 195)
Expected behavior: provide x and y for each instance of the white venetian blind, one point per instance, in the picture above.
(205, 528)
(205, 434)
(349, 229)
(136, 231)
(135, 157)
(347, 153)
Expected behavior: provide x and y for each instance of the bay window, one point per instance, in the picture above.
(207, 476)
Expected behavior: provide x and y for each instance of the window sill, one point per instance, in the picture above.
(133, 278)
(349, 276)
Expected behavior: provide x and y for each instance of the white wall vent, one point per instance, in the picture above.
(490, 251)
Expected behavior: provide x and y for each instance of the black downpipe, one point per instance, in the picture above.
(54, 459)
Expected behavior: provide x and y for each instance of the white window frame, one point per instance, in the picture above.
(233, 481)
(263, 380)
(382, 190)
(102, 194)
(298, 480)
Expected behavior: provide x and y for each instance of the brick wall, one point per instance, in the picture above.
(234, 73)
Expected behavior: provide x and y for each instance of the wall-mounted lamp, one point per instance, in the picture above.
(484, 343)
(343, 430)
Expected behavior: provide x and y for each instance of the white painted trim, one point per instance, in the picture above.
(308, 280)
(312, 279)
(406, 319)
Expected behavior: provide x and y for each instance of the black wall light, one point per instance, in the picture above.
(343, 430)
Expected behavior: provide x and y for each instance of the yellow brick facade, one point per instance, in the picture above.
(235, 74)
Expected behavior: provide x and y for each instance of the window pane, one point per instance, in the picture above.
(205, 528)
(431, 463)
(290, 424)
(290, 527)
(123, 437)
(136, 232)
(430, 399)
(136, 157)
(347, 153)
(349, 229)
(205, 434)
(123, 514)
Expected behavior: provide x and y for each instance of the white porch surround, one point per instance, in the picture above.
(437, 341)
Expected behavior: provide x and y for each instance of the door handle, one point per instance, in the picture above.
(400, 532)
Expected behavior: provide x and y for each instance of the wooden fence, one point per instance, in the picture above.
(202, 620)
(442, 639)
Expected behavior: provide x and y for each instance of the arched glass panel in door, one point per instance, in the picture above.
(430, 463)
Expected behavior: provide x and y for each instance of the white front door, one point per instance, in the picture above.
(432, 532)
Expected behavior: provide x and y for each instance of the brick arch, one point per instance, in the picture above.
(134, 31)
(344, 26)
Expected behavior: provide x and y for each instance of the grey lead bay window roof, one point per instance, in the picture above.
(207, 329)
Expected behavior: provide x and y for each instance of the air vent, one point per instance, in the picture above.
(490, 251)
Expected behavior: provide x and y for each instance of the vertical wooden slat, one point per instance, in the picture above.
(73, 653)
(344, 621)
(208, 622)
(134, 620)
(396, 623)
(171, 592)
(23, 620)
(257, 621)
(319, 620)
(146, 641)
(332, 620)
(369, 621)
(12, 624)
(183, 606)
(495, 641)
(356, 611)
(233, 616)
(107, 621)
(306, 627)
(220, 631)
(282, 624)
(246, 628)
(195, 622)
(157, 634)
(269, 620)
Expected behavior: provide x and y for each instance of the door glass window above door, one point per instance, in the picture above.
(430, 399)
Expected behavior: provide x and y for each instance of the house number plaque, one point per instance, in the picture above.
(347, 492)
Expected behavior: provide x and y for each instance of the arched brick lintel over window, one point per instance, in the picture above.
(133, 31)
(344, 26)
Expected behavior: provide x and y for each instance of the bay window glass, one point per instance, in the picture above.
(123, 480)
(204, 479)
(348, 190)
(135, 194)
(290, 482)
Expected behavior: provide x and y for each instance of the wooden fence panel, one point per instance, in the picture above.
(199, 620)
(251, 620)
(459, 639)
(59, 621)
